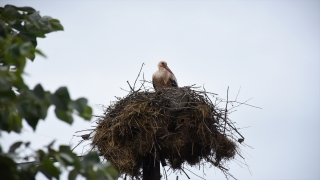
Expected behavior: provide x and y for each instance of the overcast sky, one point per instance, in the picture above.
(271, 49)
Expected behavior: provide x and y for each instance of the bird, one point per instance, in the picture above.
(163, 77)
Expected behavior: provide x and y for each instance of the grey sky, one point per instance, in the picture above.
(271, 49)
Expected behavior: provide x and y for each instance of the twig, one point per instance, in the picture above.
(240, 103)
(124, 90)
(85, 130)
(235, 129)
(238, 94)
(137, 76)
(205, 92)
(147, 81)
(185, 173)
(77, 145)
(130, 86)
(142, 84)
(195, 174)
(225, 112)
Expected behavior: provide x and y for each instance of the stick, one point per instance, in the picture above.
(137, 76)
(195, 174)
(238, 94)
(124, 90)
(130, 86)
(77, 145)
(205, 92)
(240, 103)
(142, 84)
(225, 113)
(185, 173)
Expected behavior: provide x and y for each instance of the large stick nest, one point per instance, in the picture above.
(175, 126)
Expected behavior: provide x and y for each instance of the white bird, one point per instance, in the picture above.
(163, 77)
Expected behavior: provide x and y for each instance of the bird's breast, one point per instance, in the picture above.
(163, 76)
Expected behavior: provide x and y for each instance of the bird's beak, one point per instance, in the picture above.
(167, 68)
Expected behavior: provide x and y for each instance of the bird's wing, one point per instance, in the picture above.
(173, 82)
(153, 82)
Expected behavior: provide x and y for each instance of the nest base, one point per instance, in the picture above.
(174, 126)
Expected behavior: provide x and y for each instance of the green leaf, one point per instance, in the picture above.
(66, 157)
(40, 53)
(7, 96)
(43, 111)
(18, 80)
(65, 149)
(32, 121)
(26, 48)
(15, 121)
(92, 175)
(39, 92)
(31, 56)
(83, 109)
(22, 108)
(55, 24)
(87, 114)
(26, 9)
(10, 13)
(61, 98)
(107, 170)
(75, 160)
(90, 159)
(17, 25)
(41, 154)
(15, 146)
(28, 36)
(48, 169)
(31, 112)
(8, 168)
(80, 104)
(40, 34)
(3, 29)
(34, 18)
(5, 82)
(73, 174)
(64, 115)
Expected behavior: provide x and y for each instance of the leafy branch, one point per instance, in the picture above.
(19, 29)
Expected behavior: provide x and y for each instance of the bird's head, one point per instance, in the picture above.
(163, 65)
